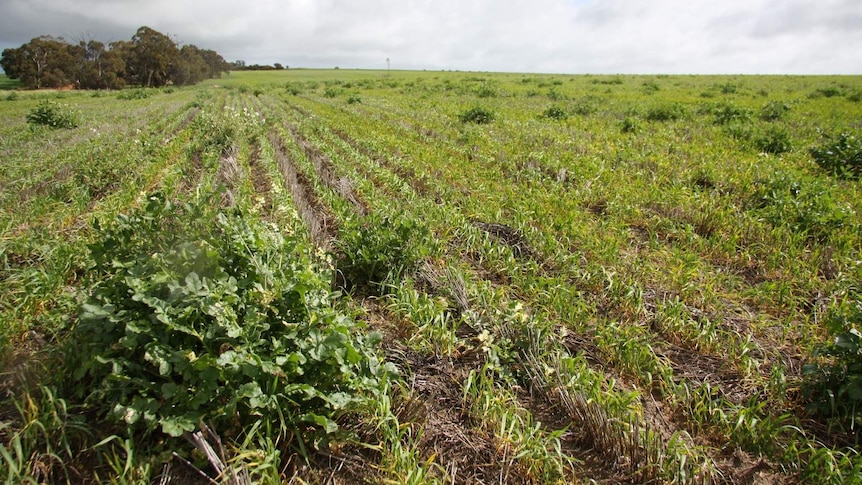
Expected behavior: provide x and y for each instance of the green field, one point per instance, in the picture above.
(7, 84)
(434, 277)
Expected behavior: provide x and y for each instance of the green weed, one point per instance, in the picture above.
(54, 115)
(195, 316)
(477, 115)
(840, 155)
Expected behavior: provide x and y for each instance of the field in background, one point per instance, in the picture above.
(576, 279)
(6, 83)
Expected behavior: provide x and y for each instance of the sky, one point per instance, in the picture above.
(542, 36)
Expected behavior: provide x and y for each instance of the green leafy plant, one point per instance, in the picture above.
(487, 90)
(803, 204)
(726, 113)
(53, 114)
(665, 112)
(477, 115)
(773, 139)
(555, 113)
(378, 249)
(199, 316)
(840, 155)
(586, 105)
(293, 88)
(774, 111)
(728, 88)
(629, 125)
(834, 379)
(555, 95)
(332, 92)
(650, 87)
(827, 92)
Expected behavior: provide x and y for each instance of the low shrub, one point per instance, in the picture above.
(833, 381)
(727, 88)
(840, 155)
(773, 139)
(805, 205)
(827, 92)
(487, 90)
(195, 316)
(774, 111)
(477, 115)
(555, 113)
(378, 249)
(53, 114)
(586, 105)
(129, 94)
(650, 87)
(331, 92)
(665, 112)
(629, 125)
(726, 113)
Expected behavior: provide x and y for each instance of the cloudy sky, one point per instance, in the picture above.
(553, 36)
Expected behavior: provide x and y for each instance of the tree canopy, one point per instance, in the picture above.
(149, 59)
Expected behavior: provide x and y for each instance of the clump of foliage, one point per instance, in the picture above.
(194, 316)
(613, 80)
(130, 94)
(354, 99)
(293, 88)
(217, 132)
(803, 204)
(586, 105)
(665, 112)
(840, 155)
(477, 115)
(774, 111)
(487, 90)
(650, 87)
(556, 95)
(773, 139)
(13, 96)
(629, 125)
(555, 113)
(378, 249)
(834, 380)
(827, 92)
(726, 113)
(331, 92)
(728, 88)
(53, 114)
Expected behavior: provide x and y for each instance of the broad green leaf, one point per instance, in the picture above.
(177, 425)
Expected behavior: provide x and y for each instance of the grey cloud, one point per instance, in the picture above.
(801, 18)
(627, 36)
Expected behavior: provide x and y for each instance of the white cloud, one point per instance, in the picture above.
(627, 36)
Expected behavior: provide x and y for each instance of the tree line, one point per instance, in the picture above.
(149, 59)
(242, 66)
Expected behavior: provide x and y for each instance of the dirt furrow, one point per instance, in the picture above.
(317, 217)
(324, 168)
